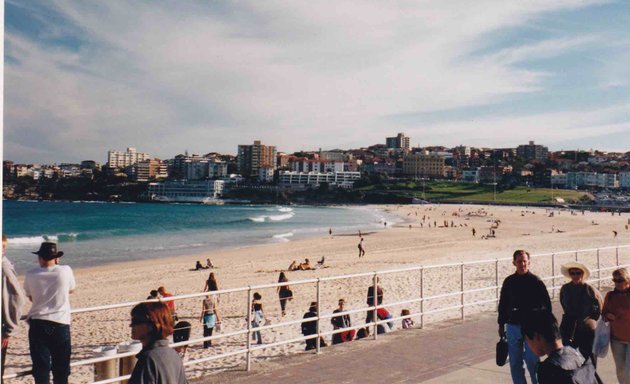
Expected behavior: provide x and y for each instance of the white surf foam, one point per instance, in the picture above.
(31, 239)
(282, 217)
(258, 219)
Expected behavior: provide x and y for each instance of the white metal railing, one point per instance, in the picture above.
(422, 299)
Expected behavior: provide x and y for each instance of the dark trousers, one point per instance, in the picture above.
(4, 357)
(50, 347)
(207, 332)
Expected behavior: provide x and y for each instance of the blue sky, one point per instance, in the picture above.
(165, 77)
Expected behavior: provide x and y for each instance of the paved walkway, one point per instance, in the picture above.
(456, 352)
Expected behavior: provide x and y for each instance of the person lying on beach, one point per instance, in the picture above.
(305, 266)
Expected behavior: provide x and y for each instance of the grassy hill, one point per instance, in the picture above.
(461, 192)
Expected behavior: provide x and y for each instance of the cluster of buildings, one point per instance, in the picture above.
(260, 164)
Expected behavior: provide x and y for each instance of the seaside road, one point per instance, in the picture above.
(450, 352)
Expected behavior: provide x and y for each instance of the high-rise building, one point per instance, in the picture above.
(152, 169)
(252, 157)
(424, 165)
(532, 151)
(400, 141)
(117, 159)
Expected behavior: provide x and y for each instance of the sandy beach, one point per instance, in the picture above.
(409, 243)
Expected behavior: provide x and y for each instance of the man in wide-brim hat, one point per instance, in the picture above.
(49, 286)
(582, 305)
(48, 251)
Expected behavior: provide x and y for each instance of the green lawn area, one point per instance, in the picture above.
(451, 191)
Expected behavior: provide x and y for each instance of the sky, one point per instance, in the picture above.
(82, 78)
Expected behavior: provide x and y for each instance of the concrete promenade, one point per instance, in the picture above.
(453, 352)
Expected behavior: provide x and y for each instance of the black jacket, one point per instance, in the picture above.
(521, 294)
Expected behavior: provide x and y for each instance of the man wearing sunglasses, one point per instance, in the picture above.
(521, 294)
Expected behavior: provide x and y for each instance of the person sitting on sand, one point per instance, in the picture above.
(153, 295)
(293, 266)
(171, 303)
(209, 264)
(320, 263)
(408, 322)
(305, 266)
(198, 266)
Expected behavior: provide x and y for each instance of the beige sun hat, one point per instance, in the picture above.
(574, 265)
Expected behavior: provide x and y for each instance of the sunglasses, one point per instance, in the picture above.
(576, 273)
(619, 280)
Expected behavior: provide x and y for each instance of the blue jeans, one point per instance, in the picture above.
(50, 347)
(517, 351)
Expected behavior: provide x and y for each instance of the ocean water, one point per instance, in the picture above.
(99, 233)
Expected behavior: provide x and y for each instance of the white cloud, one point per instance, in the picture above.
(295, 74)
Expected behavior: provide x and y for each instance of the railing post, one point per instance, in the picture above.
(496, 281)
(462, 288)
(422, 297)
(249, 328)
(576, 256)
(318, 297)
(375, 303)
(617, 255)
(599, 272)
(553, 276)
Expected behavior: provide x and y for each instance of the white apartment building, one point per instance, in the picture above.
(318, 166)
(117, 159)
(201, 169)
(265, 174)
(624, 180)
(303, 180)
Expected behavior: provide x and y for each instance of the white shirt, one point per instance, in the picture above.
(49, 288)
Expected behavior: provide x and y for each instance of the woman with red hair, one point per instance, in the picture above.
(151, 324)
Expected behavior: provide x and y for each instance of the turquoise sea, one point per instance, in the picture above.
(99, 233)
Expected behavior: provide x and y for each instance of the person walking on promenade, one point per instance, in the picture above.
(339, 322)
(13, 299)
(521, 293)
(49, 286)
(258, 317)
(582, 306)
(361, 248)
(151, 324)
(564, 364)
(617, 311)
(284, 292)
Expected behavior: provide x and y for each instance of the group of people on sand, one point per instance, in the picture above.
(199, 266)
(527, 323)
(306, 265)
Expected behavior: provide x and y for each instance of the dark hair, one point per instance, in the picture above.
(212, 282)
(156, 314)
(519, 252)
(153, 293)
(282, 278)
(543, 323)
(257, 296)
